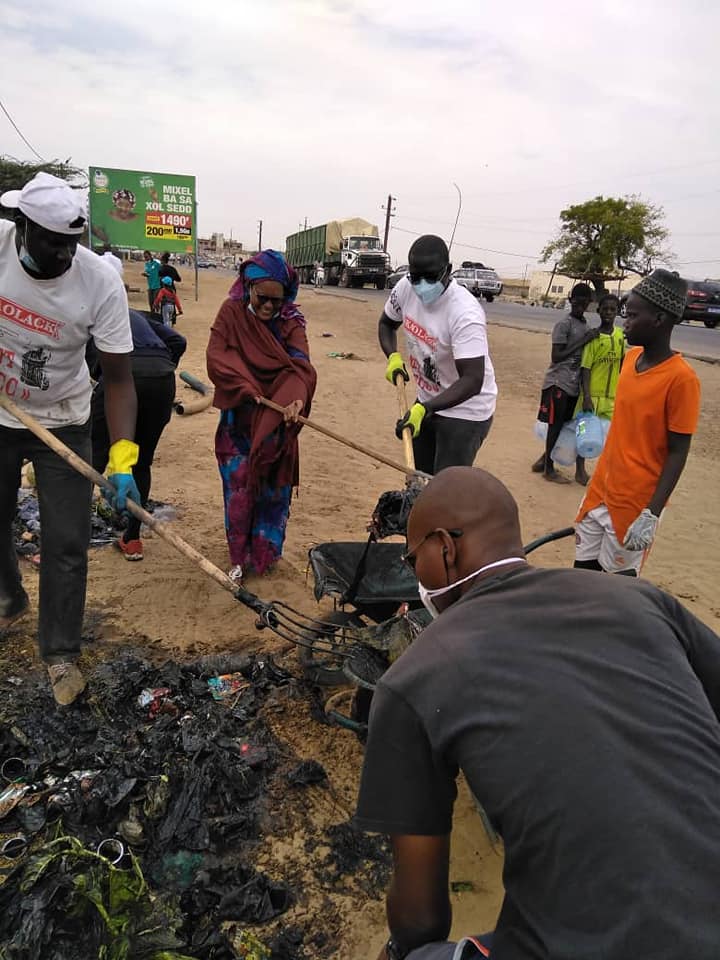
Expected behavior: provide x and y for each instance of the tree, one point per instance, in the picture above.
(608, 237)
(14, 174)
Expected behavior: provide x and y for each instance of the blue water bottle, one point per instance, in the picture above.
(589, 436)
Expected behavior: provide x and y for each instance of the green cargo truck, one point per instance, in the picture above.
(349, 250)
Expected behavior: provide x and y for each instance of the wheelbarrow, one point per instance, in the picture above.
(377, 614)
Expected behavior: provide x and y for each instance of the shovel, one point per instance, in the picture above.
(160, 528)
(282, 619)
(392, 510)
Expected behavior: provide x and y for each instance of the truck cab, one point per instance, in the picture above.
(363, 260)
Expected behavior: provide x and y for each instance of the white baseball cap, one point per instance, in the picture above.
(49, 202)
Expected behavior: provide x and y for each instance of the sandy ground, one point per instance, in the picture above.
(169, 603)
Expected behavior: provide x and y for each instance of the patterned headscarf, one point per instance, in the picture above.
(665, 290)
(266, 265)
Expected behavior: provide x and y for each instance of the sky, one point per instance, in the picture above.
(318, 109)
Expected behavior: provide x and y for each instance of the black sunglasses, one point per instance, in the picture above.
(410, 558)
(430, 276)
(275, 301)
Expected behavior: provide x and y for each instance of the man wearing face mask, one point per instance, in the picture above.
(446, 337)
(54, 296)
(585, 719)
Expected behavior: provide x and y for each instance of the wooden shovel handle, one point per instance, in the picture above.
(407, 443)
(373, 454)
(161, 529)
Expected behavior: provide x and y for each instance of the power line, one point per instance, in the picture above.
(19, 132)
(473, 223)
(470, 246)
(546, 187)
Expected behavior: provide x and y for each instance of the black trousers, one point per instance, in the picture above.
(155, 397)
(64, 500)
(448, 442)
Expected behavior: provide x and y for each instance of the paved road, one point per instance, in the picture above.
(692, 339)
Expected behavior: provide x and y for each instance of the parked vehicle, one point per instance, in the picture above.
(703, 302)
(480, 280)
(349, 250)
(397, 275)
(206, 265)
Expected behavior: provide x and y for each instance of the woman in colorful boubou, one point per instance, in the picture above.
(258, 348)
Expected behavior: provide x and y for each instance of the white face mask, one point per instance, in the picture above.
(426, 596)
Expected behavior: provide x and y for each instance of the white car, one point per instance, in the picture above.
(480, 280)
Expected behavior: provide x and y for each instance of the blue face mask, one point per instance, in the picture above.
(26, 259)
(429, 292)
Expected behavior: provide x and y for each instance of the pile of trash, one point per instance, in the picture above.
(106, 526)
(127, 823)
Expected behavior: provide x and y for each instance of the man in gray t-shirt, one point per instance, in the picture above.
(561, 386)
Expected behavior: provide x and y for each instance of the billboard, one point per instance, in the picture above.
(137, 210)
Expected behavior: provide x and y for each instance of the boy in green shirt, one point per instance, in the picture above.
(600, 369)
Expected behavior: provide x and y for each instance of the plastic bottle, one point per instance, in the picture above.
(565, 449)
(540, 430)
(589, 436)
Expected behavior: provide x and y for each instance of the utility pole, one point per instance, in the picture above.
(552, 277)
(259, 235)
(389, 212)
(305, 227)
(457, 218)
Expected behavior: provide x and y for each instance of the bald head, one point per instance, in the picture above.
(471, 501)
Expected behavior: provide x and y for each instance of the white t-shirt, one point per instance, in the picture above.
(115, 262)
(44, 328)
(452, 328)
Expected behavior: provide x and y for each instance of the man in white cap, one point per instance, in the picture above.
(54, 296)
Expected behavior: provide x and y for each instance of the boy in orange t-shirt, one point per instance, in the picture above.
(656, 413)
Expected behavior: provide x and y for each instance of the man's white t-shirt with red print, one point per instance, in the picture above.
(44, 328)
(452, 328)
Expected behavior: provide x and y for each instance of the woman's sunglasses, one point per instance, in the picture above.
(410, 558)
(276, 302)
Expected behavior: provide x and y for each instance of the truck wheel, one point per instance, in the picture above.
(380, 284)
(711, 324)
(489, 297)
(345, 278)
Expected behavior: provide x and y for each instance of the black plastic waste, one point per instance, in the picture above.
(306, 773)
(183, 787)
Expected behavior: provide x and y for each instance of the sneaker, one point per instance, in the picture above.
(66, 681)
(130, 549)
(236, 574)
(18, 608)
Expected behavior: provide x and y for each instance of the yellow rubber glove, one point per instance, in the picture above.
(394, 367)
(122, 458)
(413, 418)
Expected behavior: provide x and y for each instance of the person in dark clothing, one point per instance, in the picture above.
(561, 386)
(156, 352)
(168, 270)
(584, 714)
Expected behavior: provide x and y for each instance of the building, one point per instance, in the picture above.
(221, 249)
(543, 284)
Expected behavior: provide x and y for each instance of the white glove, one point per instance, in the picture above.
(642, 530)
